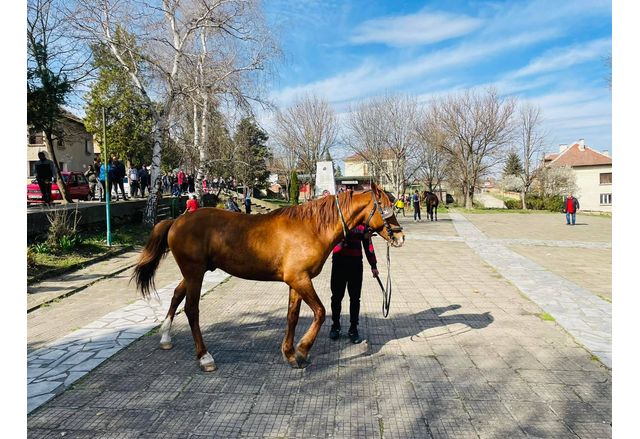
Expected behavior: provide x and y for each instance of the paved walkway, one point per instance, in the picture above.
(583, 315)
(463, 354)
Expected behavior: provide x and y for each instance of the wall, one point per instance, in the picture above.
(588, 182)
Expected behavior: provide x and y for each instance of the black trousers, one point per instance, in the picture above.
(346, 272)
(45, 189)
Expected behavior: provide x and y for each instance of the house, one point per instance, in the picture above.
(358, 173)
(74, 148)
(592, 170)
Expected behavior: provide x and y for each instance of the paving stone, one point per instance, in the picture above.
(454, 428)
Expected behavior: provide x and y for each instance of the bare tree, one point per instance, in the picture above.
(431, 139)
(306, 132)
(479, 125)
(382, 130)
(530, 138)
(170, 35)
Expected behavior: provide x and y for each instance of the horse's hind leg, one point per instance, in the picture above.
(192, 310)
(293, 314)
(165, 329)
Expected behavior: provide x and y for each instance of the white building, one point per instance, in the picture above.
(593, 174)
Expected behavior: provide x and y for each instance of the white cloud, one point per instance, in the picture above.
(565, 57)
(416, 29)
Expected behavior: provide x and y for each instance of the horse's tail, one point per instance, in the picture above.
(152, 253)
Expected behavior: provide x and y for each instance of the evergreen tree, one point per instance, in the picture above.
(513, 165)
(294, 192)
(253, 152)
(128, 119)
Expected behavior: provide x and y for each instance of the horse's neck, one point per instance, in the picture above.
(353, 216)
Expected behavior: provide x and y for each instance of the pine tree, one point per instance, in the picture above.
(251, 143)
(513, 165)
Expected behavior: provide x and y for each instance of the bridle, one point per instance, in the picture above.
(385, 213)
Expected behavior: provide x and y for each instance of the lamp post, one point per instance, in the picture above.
(106, 178)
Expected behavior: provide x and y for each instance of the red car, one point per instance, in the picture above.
(75, 182)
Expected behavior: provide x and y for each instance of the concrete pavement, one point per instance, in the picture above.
(463, 354)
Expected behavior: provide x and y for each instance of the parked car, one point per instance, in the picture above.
(75, 183)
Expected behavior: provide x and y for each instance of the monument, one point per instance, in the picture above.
(324, 177)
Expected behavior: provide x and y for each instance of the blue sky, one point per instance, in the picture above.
(550, 53)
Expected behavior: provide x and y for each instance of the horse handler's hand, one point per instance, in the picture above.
(375, 272)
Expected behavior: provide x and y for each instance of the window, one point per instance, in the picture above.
(605, 199)
(63, 166)
(35, 137)
(60, 142)
(605, 178)
(32, 168)
(88, 146)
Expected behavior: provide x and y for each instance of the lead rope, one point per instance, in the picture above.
(344, 225)
(386, 292)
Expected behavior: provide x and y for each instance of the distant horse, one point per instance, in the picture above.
(289, 244)
(431, 200)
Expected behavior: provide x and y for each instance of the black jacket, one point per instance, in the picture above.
(576, 204)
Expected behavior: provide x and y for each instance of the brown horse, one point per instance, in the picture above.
(431, 201)
(289, 244)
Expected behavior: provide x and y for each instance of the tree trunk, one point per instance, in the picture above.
(469, 198)
(66, 198)
(523, 199)
(151, 208)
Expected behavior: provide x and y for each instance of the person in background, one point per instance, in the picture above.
(416, 206)
(232, 205)
(400, 205)
(134, 185)
(45, 172)
(92, 179)
(143, 178)
(192, 204)
(247, 203)
(346, 272)
(571, 206)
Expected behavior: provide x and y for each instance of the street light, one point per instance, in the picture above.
(106, 178)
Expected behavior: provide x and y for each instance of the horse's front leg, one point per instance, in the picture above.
(192, 310)
(308, 294)
(293, 314)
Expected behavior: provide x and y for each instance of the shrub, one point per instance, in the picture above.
(62, 229)
(513, 204)
(554, 204)
(534, 202)
(31, 257)
(40, 247)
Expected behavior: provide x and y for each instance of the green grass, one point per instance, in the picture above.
(277, 201)
(546, 317)
(93, 246)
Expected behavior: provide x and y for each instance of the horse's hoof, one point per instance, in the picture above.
(207, 364)
(209, 367)
(301, 361)
(166, 346)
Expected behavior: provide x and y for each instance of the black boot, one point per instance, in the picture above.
(354, 336)
(334, 334)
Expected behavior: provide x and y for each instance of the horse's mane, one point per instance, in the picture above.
(322, 212)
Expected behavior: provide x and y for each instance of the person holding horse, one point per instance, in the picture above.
(346, 272)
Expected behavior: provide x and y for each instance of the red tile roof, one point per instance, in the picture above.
(573, 156)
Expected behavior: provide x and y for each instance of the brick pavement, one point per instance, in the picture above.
(463, 354)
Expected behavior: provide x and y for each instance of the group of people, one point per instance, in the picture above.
(107, 177)
(409, 201)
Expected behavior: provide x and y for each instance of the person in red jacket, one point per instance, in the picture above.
(192, 204)
(571, 206)
(346, 271)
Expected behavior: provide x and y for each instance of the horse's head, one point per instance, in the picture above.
(382, 218)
